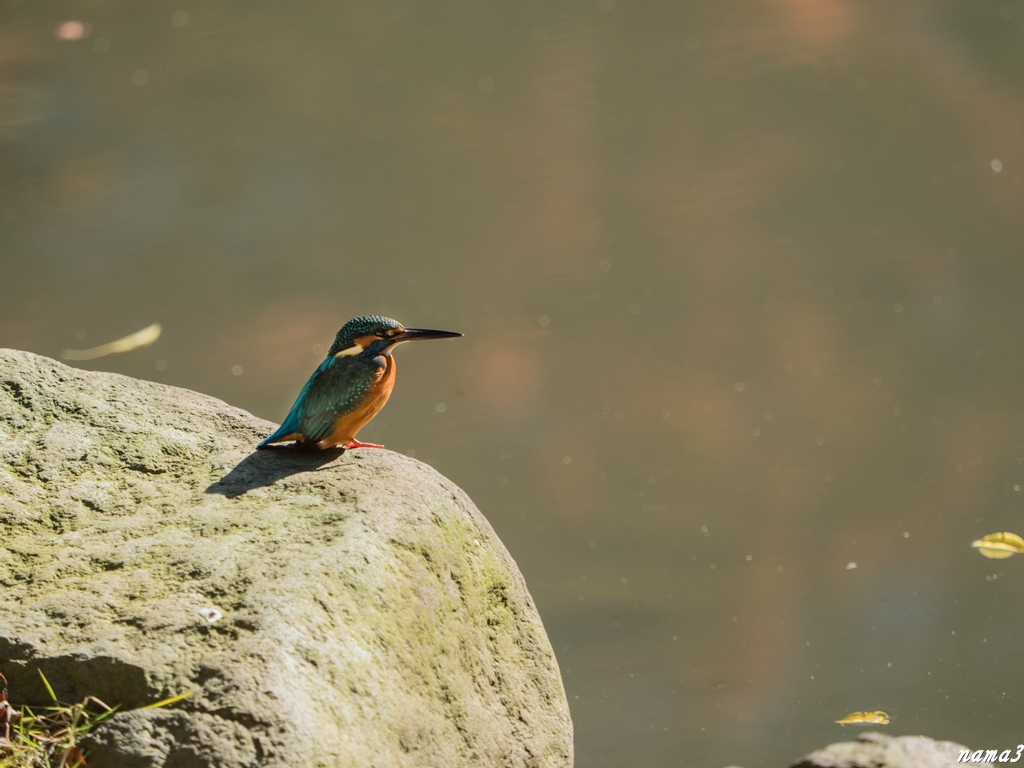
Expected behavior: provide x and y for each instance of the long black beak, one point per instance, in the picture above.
(417, 334)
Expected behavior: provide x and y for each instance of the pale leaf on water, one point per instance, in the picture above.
(878, 717)
(139, 339)
(999, 545)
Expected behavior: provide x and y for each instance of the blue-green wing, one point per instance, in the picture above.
(334, 389)
(339, 386)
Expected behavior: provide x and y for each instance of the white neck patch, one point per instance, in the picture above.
(353, 350)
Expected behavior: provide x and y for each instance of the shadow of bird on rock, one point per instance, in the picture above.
(266, 466)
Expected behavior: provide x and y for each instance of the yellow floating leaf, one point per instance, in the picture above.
(999, 545)
(142, 338)
(878, 717)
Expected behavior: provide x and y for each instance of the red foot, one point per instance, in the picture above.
(357, 444)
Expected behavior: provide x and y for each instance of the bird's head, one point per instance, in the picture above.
(377, 335)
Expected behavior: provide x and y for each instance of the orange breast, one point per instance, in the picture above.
(347, 426)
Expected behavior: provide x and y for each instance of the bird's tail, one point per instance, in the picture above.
(286, 429)
(292, 424)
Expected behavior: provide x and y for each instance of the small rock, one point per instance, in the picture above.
(878, 750)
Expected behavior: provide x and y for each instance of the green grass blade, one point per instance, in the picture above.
(104, 715)
(46, 682)
(169, 701)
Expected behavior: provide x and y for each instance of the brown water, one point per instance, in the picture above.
(741, 288)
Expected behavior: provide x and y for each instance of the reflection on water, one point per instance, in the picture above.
(740, 284)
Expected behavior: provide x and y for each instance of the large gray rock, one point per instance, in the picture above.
(878, 750)
(369, 614)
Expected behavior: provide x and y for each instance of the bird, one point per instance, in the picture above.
(350, 386)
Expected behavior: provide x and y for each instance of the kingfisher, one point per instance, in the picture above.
(350, 386)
